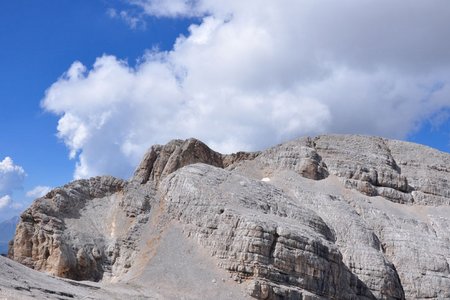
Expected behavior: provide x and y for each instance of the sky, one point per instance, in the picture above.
(86, 87)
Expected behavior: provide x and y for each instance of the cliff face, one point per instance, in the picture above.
(331, 217)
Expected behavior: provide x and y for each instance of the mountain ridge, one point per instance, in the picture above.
(333, 216)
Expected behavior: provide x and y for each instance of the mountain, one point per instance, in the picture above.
(7, 230)
(327, 217)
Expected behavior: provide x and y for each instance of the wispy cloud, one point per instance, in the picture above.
(172, 8)
(38, 191)
(133, 21)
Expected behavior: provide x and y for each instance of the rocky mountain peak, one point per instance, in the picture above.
(162, 160)
(327, 217)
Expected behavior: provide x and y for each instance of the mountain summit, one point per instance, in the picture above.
(327, 217)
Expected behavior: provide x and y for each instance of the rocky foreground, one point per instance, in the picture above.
(330, 217)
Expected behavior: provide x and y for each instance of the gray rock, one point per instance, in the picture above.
(44, 237)
(18, 282)
(330, 217)
(259, 233)
(403, 197)
(160, 161)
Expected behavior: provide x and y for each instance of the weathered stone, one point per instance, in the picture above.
(160, 161)
(331, 217)
(299, 156)
(44, 242)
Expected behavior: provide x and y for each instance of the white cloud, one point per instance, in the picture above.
(257, 72)
(10, 208)
(13, 206)
(11, 176)
(5, 201)
(133, 21)
(172, 8)
(38, 191)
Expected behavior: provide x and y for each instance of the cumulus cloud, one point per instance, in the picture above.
(9, 207)
(38, 191)
(11, 176)
(257, 72)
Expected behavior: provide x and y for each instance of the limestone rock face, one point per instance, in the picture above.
(43, 240)
(328, 217)
(18, 282)
(160, 161)
(365, 164)
(282, 248)
(299, 156)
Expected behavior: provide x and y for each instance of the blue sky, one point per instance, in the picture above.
(39, 41)
(245, 76)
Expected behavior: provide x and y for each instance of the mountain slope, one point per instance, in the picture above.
(330, 217)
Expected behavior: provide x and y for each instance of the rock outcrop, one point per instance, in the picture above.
(44, 237)
(160, 160)
(20, 283)
(330, 217)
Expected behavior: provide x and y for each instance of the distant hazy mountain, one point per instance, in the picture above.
(7, 230)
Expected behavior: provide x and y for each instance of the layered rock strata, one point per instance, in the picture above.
(330, 217)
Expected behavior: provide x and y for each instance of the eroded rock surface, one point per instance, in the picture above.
(329, 217)
(18, 282)
(160, 160)
(45, 239)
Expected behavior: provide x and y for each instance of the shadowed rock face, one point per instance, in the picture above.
(44, 239)
(330, 217)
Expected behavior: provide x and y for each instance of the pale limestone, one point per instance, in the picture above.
(329, 217)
